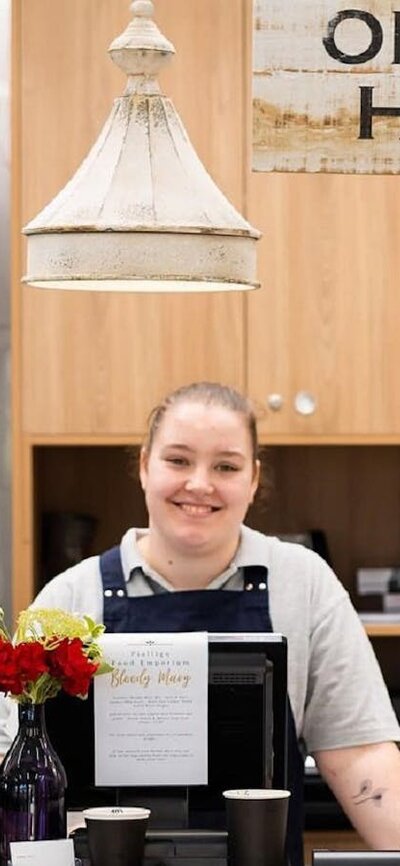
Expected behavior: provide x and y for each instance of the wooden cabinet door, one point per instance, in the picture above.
(93, 363)
(327, 317)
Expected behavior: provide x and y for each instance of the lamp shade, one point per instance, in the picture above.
(141, 213)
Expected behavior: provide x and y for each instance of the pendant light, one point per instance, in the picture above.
(141, 214)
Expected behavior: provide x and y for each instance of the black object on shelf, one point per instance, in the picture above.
(320, 544)
(66, 539)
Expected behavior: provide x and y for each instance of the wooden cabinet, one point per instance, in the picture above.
(326, 319)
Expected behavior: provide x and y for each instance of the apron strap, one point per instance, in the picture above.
(112, 574)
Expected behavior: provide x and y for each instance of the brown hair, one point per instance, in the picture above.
(209, 394)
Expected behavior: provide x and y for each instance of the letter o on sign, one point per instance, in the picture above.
(376, 37)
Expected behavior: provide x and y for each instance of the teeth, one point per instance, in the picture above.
(195, 509)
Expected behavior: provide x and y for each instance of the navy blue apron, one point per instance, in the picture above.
(213, 611)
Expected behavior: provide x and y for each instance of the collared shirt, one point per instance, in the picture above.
(143, 580)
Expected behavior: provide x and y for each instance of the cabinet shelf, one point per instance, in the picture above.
(382, 629)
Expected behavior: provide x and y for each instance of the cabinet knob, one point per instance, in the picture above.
(275, 402)
(305, 403)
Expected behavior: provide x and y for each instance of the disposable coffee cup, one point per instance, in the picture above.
(256, 822)
(116, 835)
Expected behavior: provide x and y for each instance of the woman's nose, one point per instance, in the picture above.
(199, 480)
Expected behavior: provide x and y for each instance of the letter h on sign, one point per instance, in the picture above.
(368, 111)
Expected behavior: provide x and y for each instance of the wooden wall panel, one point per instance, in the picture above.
(95, 364)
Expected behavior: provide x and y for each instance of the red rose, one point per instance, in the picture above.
(10, 677)
(68, 663)
(31, 660)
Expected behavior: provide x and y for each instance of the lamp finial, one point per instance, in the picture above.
(142, 8)
(141, 50)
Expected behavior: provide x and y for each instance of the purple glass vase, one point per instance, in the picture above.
(32, 785)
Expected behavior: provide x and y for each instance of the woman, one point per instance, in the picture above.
(199, 471)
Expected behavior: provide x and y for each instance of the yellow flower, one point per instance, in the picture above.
(39, 623)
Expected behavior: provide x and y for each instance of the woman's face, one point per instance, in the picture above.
(199, 478)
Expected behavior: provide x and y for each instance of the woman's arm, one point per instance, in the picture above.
(366, 782)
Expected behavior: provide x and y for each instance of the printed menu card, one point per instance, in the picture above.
(151, 710)
(43, 853)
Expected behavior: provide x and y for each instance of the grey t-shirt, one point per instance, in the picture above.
(335, 685)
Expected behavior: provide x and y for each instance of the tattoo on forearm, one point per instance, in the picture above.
(367, 792)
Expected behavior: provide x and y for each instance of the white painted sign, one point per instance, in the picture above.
(326, 86)
(151, 710)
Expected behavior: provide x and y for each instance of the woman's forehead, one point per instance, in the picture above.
(192, 418)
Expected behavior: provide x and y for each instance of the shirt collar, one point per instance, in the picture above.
(251, 551)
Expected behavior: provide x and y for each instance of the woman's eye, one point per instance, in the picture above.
(227, 467)
(177, 461)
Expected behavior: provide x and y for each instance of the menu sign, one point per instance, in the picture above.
(151, 710)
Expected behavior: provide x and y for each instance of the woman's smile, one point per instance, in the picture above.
(193, 509)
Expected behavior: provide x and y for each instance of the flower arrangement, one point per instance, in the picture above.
(52, 651)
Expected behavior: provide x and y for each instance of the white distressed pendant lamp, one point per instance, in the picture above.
(141, 214)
